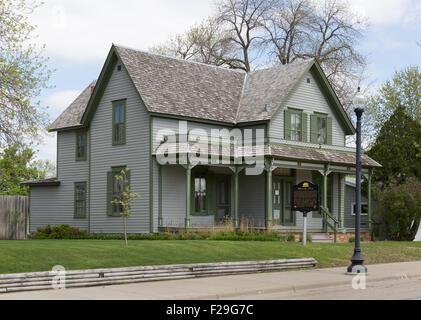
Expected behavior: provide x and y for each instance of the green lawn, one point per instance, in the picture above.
(42, 255)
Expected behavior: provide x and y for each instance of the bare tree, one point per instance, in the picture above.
(206, 42)
(244, 20)
(327, 31)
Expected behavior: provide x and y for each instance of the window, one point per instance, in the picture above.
(295, 125)
(119, 122)
(80, 200)
(364, 209)
(200, 193)
(81, 145)
(115, 189)
(321, 130)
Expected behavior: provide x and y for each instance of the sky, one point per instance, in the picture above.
(78, 35)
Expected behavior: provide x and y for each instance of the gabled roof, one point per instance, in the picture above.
(269, 86)
(179, 87)
(195, 90)
(72, 116)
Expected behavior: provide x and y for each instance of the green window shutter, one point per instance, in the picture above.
(329, 130)
(313, 128)
(128, 179)
(110, 186)
(287, 125)
(304, 127)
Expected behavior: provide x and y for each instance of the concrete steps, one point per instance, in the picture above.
(321, 238)
(101, 277)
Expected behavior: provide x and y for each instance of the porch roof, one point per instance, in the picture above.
(42, 182)
(282, 152)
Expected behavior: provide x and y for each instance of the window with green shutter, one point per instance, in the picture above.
(115, 188)
(119, 122)
(81, 145)
(295, 125)
(320, 129)
(80, 199)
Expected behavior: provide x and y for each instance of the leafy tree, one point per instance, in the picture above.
(396, 148)
(23, 74)
(400, 208)
(16, 167)
(403, 90)
(126, 198)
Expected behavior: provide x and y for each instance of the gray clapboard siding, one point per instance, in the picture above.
(251, 198)
(308, 97)
(54, 205)
(349, 200)
(134, 154)
(173, 125)
(174, 199)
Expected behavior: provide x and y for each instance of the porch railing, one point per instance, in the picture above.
(330, 221)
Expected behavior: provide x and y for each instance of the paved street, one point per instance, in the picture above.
(384, 281)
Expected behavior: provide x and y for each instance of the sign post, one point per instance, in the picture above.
(305, 198)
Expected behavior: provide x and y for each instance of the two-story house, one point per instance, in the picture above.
(152, 114)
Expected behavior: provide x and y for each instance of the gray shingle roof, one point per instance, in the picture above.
(42, 182)
(178, 87)
(269, 86)
(72, 116)
(277, 151)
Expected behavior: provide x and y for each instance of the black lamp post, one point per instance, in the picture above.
(357, 259)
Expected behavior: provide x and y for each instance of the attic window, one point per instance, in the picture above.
(119, 67)
(308, 80)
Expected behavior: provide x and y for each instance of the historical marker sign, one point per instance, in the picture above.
(305, 197)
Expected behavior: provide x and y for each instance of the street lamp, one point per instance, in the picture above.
(357, 259)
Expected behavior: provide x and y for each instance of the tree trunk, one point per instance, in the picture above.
(125, 231)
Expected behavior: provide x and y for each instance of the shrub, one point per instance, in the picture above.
(309, 239)
(63, 231)
(400, 208)
(291, 238)
(352, 239)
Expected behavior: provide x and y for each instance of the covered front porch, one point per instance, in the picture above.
(200, 196)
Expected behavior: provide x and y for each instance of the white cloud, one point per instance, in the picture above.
(47, 148)
(82, 30)
(385, 12)
(60, 100)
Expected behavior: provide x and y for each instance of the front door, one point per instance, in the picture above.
(282, 213)
(223, 197)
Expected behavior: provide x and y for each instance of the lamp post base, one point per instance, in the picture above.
(357, 263)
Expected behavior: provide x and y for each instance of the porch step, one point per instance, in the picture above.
(321, 238)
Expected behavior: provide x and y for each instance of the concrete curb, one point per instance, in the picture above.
(100, 277)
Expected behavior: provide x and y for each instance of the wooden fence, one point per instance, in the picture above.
(14, 217)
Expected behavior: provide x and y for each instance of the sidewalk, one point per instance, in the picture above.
(229, 286)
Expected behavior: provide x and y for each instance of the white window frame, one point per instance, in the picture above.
(362, 203)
